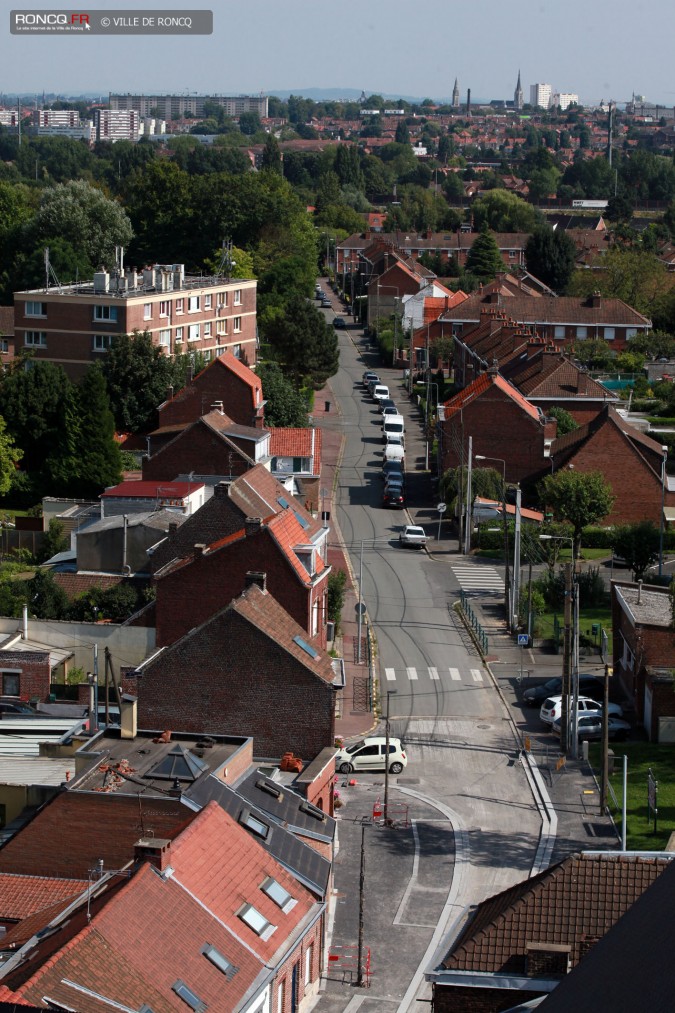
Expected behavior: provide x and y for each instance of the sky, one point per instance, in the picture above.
(598, 49)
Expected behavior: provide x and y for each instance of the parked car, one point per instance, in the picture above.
(368, 376)
(552, 707)
(589, 685)
(339, 323)
(589, 726)
(370, 754)
(413, 535)
(392, 424)
(380, 392)
(394, 493)
(387, 402)
(17, 708)
(390, 410)
(395, 440)
(392, 469)
(372, 384)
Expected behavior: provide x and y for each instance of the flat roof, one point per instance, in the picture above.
(153, 490)
(187, 283)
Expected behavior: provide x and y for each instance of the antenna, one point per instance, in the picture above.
(49, 272)
(226, 263)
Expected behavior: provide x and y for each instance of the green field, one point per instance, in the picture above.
(641, 756)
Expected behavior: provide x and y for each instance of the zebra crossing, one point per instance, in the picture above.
(473, 675)
(476, 578)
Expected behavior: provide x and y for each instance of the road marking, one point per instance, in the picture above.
(454, 674)
(477, 677)
(478, 578)
(390, 674)
(433, 673)
(412, 673)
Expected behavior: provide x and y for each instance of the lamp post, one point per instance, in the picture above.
(393, 288)
(390, 693)
(507, 577)
(570, 677)
(664, 452)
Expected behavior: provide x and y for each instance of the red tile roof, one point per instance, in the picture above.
(21, 896)
(288, 533)
(152, 490)
(482, 384)
(297, 443)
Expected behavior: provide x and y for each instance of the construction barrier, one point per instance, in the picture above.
(346, 960)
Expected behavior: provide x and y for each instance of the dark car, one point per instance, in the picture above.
(394, 493)
(589, 726)
(16, 707)
(339, 323)
(392, 469)
(386, 402)
(589, 685)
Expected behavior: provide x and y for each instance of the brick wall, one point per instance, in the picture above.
(34, 673)
(190, 595)
(197, 449)
(282, 1000)
(214, 384)
(230, 679)
(462, 999)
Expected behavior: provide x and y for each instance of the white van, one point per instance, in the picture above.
(394, 440)
(392, 424)
(394, 452)
(380, 392)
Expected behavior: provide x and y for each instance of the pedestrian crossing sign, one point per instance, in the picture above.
(523, 640)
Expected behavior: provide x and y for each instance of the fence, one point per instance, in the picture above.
(477, 630)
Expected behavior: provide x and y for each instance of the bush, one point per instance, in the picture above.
(337, 582)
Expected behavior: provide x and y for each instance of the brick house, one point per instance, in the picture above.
(629, 460)
(261, 528)
(549, 379)
(212, 445)
(208, 918)
(73, 325)
(296, 454)
(6, 334)
(502, 424)
(249, 666)
(519, 944)
(137, 497)
(447, 245)
(644, 654)
(25, 674)
(386, 290)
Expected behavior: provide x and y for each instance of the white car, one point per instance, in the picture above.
(369, 754)
(413, 534)
(551, 709)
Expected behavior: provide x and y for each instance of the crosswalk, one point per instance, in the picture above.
(479, 578)
(471, 676)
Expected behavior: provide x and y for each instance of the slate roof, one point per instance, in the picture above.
(287, 808)
(21, 895)
(479, 387)
(573, 903)
(301, 860)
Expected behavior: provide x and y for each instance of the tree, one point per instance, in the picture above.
(32, 403)
(271, 156)
(10, 455)
(566, 422)
(551, 257)
(47, 599)
(87, 219)
(619, 208)
(54, 540)
(638, 278)
(503, 211)
(284, 406)
(638, 544)
(580, 498)
(249, 123)
(484, 259)
(100, 461)
(305, 344)
(402, 133)
(137, 376)
(485, 482)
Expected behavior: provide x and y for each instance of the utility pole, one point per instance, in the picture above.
(605, 747)
(567, 659)
(390, 692)
(467, 534)
(515, 584)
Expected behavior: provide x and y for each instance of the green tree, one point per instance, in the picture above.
(100, 460)
(503, 211)
(284, 405)
(402, 133)
(637, 277)
(271, 156)
(10, 455)
(594, 353)
(337, 582)
(551, 257)
(566, 422)
(87, 219)
(32, 403)
(580, 498)
(249, 123)
(619, 208)
(47, 599)
(137, 376)
(54, 540)
(638, 544)
(484, 259)
(304, 343)
(485, 482)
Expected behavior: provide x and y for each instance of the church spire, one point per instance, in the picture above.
(518, 94)
(455, 95)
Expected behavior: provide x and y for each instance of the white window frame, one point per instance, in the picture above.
(221, 299)
(309, 954)
(164, 308)
(221, 327)
(179, 306)
(237, 297)
(35, 339)
(208, 301)
(147, 311)
(107, 313)
(193, 304)
(100, 342)
(194, 332)
(236, 325)
(165, 337)
(179, 334)
(207, 329)
(29, 310)
(4, 345)
(236, 351)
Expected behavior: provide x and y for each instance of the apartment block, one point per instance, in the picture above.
(540, 95)
(174, 107)
(116, 124)
(565, 99)
(73, 325)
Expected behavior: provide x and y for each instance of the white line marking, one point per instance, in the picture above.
(412, 673)
(433, 673)
(390, 674)
(477, 677)
(454, 674)
(413, 878)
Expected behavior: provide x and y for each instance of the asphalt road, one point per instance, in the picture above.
(422, 653)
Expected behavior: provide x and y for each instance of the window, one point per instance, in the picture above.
(219, 961)
(101, 342)
(276, 892)
(10, 683)
(256, 921)
(208, 302)
(252, 823)
(4, 345)
(281, 996)
(207, 354)
(164, 308)
(609, 334)
(188, 996)
(35, 339)
(513, 254)
(236, 324)
(193, 303)
(222, 298)
(559, 331)
(220, 349)
(165, 338)
(179, 305)
(105, 313)
(582, 332)
(237, 297)
(631, 332)
(193, 332)
(236, 351)
(207, 330)
(179, 334)
(309, 953)
(221, 327)
(36, 309)
(147, 311)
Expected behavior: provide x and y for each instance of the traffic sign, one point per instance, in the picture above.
(360, 608)
(523, 640)
(442, 507)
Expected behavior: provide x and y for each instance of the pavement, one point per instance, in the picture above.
(425, 872)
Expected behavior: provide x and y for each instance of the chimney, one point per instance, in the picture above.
(639, 597)
(169, 393)
(173, 528)
(199, 549)
(253, 525)
(582, 382)
(493, 369)
(594, 300)
(221, 491)
(155, 850)
(257, 579)
(128, 716)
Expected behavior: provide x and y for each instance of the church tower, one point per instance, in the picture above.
(455, 96)
(518, 95)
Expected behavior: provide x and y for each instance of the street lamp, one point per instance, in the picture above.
(390, 693)
(507, 580)
(664, 451)
(569, 717)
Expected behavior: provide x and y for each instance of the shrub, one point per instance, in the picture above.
(337, 582)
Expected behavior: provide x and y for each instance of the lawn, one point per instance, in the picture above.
(601, 616)
(642, 756)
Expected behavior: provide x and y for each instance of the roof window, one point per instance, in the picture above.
(252, 823)
(276, 892)
(188, 996)
(219, 961)
(256, 921)
(307, 648)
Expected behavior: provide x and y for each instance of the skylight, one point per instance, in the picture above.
(312, 810)
(301, 520)
(283, 502)
(188, 996)
(307, 648)
(256, 921)
(219, 961)
(256, 826)
(276, 892)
